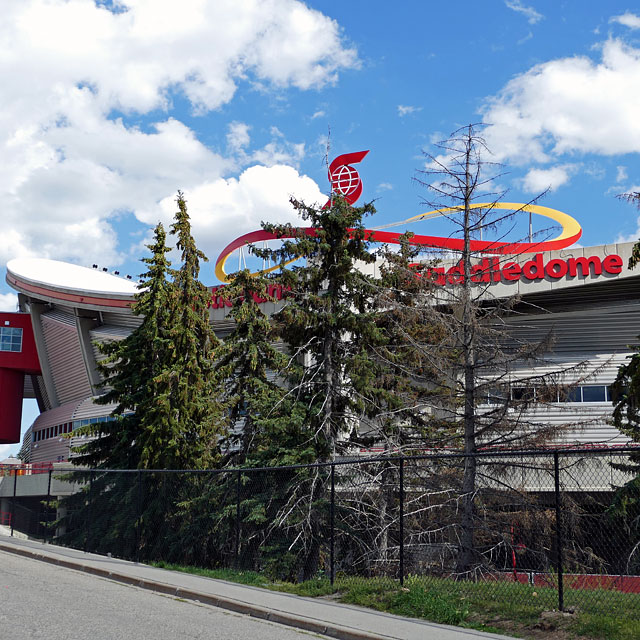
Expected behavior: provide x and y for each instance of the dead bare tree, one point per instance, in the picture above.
(476, 378)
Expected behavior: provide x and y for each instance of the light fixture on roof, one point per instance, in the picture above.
(105, 269)
(95, 266)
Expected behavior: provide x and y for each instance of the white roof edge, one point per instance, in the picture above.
(64, 276)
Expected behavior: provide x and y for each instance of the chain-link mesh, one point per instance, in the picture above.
(556, 529)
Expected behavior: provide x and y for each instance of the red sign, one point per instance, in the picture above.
(275, 291)
(492, 270)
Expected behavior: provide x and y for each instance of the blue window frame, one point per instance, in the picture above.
(11, 339)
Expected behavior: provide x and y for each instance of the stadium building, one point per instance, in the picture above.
(48, 349)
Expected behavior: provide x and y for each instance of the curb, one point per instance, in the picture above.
(237, 606)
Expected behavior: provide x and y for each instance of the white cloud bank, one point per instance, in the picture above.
(239, 204)
(67, 166)
(627, 19)
(569, 105)
(8, 301)
(538, 180)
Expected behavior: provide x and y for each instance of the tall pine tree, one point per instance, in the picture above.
(329, 318)
(249, 365)
(327, 323)
(129, 440)
(188, 396)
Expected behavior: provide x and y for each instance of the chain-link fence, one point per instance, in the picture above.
(562, 527)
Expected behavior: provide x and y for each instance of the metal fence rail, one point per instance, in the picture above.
(561, 526)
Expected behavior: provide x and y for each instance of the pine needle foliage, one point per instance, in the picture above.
(130, 369)
(249, 367)
(161, 375)
(188, 395)
(328, 318)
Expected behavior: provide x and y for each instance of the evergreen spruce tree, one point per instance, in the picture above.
(328, 319)
(188, 394)
(135, 437)
(327, 323)
(130, 439)
(250, 366)
(167, 415)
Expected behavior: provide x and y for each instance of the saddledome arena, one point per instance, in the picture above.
(48, 351)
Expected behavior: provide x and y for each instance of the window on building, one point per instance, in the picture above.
(583, 393)
(587, 393)
(10, 339)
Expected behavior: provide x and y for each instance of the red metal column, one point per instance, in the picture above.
(11, 388)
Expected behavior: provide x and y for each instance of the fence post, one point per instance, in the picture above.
(47, 537)
(237, 554)
(401, 521)
(89, 509)
(13, 500)
(332, 521)
(559, 540)
(138, 516)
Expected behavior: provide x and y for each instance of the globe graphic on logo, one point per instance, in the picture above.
(345, 180)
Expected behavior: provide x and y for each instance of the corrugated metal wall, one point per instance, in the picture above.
(52, 448)
(106, 333)
(121, 319)
(43, 392)
(65, 356)
(588, 346)
(606, 329)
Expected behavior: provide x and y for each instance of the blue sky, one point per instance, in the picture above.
(110, 107)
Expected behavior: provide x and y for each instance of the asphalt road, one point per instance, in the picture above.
(39, 600)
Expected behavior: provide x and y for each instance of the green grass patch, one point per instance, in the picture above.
(242, 577)
(499, 607)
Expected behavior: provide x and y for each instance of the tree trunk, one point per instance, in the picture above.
(467, 550)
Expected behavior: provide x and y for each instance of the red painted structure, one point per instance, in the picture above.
(13, 367)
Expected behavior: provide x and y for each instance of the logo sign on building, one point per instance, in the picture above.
(528, 263)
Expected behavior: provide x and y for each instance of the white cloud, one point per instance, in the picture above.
(539, 180)
(385, 186)
(278, 151)
(627, 19)
(569, 105)
(621, 174)
(259, 193)
(8, 301)
(529, 13)
(318, 114)
(238, 136)
(68, 167)
(404, 110)
(6, 450)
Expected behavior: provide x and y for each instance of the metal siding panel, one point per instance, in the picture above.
(121, 319)
(50, 450)
(89, 409)
(43, 392)
(65, 357)
(106, 333)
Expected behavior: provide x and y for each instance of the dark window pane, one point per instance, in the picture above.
(594, 393)
(523, 394)
(571, 395)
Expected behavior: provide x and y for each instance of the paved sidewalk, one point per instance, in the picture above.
(312, 614)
